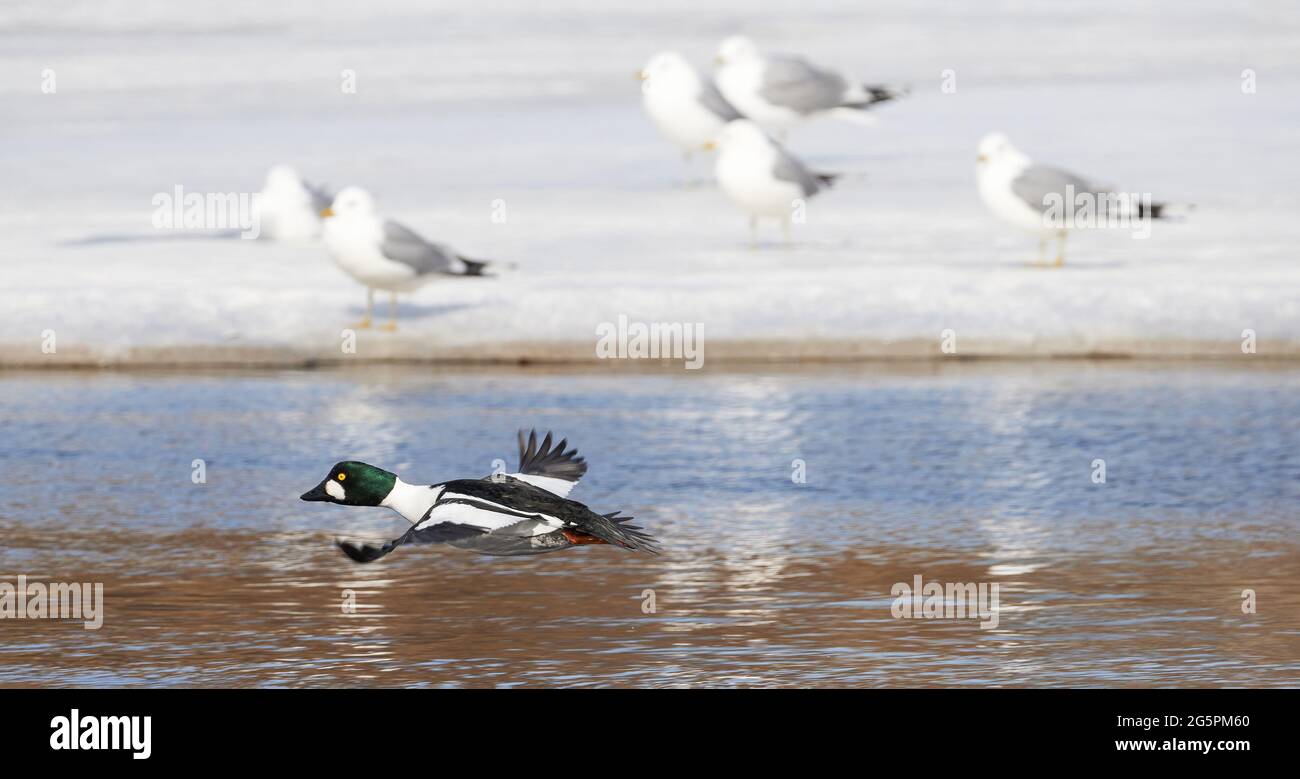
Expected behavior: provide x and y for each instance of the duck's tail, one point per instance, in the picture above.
(613, 529)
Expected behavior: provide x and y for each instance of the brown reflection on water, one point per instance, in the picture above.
(231, 608)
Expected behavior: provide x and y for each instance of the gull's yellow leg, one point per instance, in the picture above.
(392, 313)
(370, 309)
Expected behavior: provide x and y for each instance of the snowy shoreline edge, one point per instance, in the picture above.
(385, 349)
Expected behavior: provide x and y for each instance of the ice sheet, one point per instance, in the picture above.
(458, 108)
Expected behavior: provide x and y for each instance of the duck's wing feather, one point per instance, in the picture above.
(438, 533)
(613, 529)
(550, 467)
(505, 500)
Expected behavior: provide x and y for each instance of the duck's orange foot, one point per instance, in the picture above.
(578, 538)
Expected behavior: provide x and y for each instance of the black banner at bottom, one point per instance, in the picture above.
(335, 728)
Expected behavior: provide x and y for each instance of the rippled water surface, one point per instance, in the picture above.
(958, 473)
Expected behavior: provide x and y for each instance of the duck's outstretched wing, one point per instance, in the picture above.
(549, 467)
(441, 533)
(501, 502)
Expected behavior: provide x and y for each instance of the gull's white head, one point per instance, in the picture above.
(742, 133)
(351, 201)
(737, 48)
(283, 177)
(996, 148)
(667, 67)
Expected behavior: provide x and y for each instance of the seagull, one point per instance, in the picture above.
(288, 208)
(687, 107)
(763, 178)
(779, 91)
(382, 254)
(1044, 200)
(522, 513)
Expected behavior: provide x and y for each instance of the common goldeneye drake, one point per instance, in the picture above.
(521, 513)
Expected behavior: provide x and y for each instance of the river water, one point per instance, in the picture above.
(789, 504)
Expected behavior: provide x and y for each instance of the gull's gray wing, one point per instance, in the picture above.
(795, 83)
(713, 100)
(404, 245)
(320, 196)
(790, 169)
(1036, 182)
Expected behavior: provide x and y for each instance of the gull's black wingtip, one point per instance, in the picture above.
(476, 267)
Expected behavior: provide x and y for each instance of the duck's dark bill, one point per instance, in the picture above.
(316, 493)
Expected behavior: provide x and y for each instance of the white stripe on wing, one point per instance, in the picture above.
(482, 513)
(549, 483)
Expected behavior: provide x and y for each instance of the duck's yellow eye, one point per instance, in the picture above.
(342, 476)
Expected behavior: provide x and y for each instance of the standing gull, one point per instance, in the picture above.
(763, 178)
(288, 208)
(686, 106)
(780, 91)
(1044, 200)
(382, 254)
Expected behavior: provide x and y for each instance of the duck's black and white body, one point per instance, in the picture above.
(521, 513)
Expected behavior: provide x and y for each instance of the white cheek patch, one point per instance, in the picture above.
(335, 490)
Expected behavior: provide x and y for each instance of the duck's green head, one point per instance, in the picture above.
(353, 484)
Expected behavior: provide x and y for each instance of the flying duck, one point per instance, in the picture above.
(521, 513)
